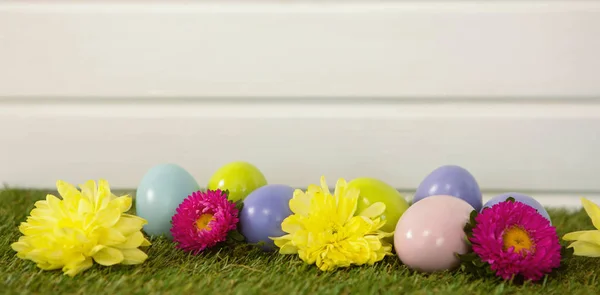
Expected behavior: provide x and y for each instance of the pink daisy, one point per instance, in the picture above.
(516, 240)
(202, 220)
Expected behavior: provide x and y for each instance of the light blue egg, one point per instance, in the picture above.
(527, 200)
(159, 194)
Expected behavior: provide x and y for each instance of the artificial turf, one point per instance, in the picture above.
(245, 270)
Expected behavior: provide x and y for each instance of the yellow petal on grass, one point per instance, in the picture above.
(133, 256)
(133, 241)
(592, 236)
(375, 210)
(573, 236)
(49, 266)
(108, 256)
(128, 224)
(145, 243)
(585, 249)
(20, 246)
(75, 268)
(593, 211)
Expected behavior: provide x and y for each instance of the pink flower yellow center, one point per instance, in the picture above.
(517, 237)
(203, 221)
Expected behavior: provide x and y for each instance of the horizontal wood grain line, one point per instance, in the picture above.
(326, 109)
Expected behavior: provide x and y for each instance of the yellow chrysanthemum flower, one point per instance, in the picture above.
(324, 230)
(83, 226)
(587, 242)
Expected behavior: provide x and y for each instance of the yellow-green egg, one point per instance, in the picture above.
(373, 190)
(240, 178)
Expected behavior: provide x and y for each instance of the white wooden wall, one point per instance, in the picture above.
(388, 89)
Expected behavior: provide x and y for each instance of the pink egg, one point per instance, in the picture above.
(431, 231)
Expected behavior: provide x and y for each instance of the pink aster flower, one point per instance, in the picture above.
(515, 240)
(202, 220)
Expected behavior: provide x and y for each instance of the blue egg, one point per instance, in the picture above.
(527, 200)
(263, 211)
(159, 194)
(453, 181)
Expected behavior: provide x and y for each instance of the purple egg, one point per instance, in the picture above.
(453, 181)
(527, 200)
(263, 211)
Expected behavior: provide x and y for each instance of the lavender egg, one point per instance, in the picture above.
(453, 181)
(263, 211)
(431, 231)
(527, 200)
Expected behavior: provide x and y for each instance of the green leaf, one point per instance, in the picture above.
(239, 205)
(472, 216)
(511, 199)
(234, 236)
(225, 193)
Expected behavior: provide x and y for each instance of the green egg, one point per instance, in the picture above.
(240, 178)
(373, 190)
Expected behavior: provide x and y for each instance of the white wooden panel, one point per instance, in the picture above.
(387, 89)
(543, 146)
(343, 49)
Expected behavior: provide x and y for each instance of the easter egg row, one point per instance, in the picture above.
(165, 186)
(443, 200)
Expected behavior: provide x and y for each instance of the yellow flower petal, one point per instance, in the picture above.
(128, 224)
(96, 249)
(346, 205)
(20, 246)
(590, 237)
(110, 237)
(288, 249)
(55, 205)
(134, 256)
(572, 236)
(585, 249)
(133, 241)
(324, 185)
(108, 217)
(123, 203)
(292, 224)
(104, 195)
(375, 210)
(84, 207)
(593, 211)
(145, 243)
(89, 191)
(300, 203)
(108, 256)
(49, 266)
(67, 191)
(75, 268)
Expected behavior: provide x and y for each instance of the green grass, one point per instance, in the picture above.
(248, 271)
